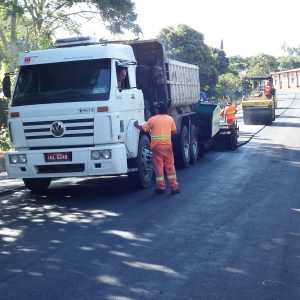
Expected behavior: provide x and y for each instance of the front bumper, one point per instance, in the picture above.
(80, 164)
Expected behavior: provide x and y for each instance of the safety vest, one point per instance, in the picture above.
(160, 127)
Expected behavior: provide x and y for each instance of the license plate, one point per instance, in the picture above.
(61, 156)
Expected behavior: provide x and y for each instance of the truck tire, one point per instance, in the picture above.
(143, 176)
(194, 144)
(183, 153)
(37, 184)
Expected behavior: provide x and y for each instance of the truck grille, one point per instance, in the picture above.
(58, 129)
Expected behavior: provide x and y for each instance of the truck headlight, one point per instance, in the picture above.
(23, 159)
(98, 154)
(106, 154)
(95, 155)
(13, 159)
(17, 158)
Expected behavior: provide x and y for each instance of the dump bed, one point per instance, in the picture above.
(174, 82)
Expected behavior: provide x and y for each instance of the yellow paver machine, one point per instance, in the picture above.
(259, 100)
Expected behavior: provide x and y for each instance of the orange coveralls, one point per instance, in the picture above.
(161, 127)
(229, 113)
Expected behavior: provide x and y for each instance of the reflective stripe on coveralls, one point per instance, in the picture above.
(163, 158)
(160, 127)
(160, 137)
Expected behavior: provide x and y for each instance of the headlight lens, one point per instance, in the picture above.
(98, 154)
(23, 159)
(106, 154)
(13, 159)
(17, 158)
(95, 154)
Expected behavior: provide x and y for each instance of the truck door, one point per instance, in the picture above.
(129, 100)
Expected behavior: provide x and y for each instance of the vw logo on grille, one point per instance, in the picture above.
(57, 129)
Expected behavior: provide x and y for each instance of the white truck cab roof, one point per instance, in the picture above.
(88, 52)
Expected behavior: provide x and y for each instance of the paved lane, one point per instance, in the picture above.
(233, 232)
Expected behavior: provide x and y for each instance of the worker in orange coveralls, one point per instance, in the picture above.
(229, 113)
(162, 127)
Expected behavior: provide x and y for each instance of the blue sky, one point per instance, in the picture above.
(246, 27)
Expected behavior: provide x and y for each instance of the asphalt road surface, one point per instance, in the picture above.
(232, 233)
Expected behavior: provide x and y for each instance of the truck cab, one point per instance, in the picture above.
(68, 117)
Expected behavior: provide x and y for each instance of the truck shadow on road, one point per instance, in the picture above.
(84, 189)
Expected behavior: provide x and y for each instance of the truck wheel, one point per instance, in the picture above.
(37, 184)
(194, 144)
(183, 152)
(143, 176)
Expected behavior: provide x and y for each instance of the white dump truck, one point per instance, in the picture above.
(68, 117)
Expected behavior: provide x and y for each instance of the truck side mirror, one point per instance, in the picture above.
(6, 86)
(142, 77)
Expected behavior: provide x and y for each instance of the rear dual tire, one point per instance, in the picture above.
(187, 149)
(194, 146)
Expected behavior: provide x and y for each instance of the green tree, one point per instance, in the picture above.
(288, 62)
(3, 111)
(187, 45)
(31, 24)
(220, 59)
(4, 140)
(229, 86)
(238, 65)
(262, 64)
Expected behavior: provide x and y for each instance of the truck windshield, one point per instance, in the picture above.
(87, 80)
